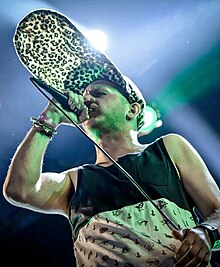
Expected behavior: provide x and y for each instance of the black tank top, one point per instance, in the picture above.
(102, 189)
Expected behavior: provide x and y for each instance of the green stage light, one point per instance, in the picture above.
(151, 119)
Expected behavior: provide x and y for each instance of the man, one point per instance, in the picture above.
(112, 223)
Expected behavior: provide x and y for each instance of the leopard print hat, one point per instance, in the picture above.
(56, 52)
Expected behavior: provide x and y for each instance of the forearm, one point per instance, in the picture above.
(214, 219)
(26, 166)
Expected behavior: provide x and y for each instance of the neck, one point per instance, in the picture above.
(117, 145)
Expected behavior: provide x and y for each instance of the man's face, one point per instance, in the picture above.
(107, 107)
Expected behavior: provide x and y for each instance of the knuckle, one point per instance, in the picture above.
(72, 106)
(70, 93)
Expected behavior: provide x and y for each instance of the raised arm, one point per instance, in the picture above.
(25, 184)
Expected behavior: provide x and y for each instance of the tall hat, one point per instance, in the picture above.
(56, 52)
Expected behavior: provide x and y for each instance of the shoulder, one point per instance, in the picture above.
(173, 138)
(183, 154)
(177, 146)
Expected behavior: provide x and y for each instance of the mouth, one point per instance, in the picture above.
(92, 109)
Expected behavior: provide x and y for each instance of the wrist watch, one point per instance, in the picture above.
(213, 234)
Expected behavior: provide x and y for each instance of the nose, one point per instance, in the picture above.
(88, 99)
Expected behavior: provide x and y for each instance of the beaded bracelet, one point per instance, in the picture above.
(43, 128)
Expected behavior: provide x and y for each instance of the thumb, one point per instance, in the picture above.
(178, 234)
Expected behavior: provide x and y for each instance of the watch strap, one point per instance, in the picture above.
(213, 234)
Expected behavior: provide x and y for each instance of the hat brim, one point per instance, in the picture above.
(54, 50)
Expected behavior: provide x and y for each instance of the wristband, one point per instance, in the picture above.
(43, 128)
(213, 234)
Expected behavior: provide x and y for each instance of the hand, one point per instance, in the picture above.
(53, 114)
(76, 101)
(195, 249)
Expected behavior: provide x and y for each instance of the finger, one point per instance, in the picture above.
(84, 115)
(77, 102)
(73, 102)
(81, 103)
(191, 257)
(73, 107)
(202, 259)
(178, 234)
(197, 253)
(206, 259)
(72, 99)
(184, 254)
(187, 241)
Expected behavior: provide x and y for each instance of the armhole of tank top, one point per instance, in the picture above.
(166, 153)
(188, 198)
(74, 189)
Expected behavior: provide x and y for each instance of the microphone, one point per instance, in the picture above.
(60, 97)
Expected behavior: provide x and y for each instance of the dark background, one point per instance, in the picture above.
(171, 50)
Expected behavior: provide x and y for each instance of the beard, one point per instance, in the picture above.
(102, 124)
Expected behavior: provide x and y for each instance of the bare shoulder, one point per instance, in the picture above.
(182, 152)
(178, 147)
(194, 173)
(172, 139)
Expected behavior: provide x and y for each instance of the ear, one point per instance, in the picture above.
(134, 111)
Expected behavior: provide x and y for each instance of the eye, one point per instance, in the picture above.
(97, 93)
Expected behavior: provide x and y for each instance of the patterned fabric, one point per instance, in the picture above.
(56, 52)
(113, 224)
(136, 235)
